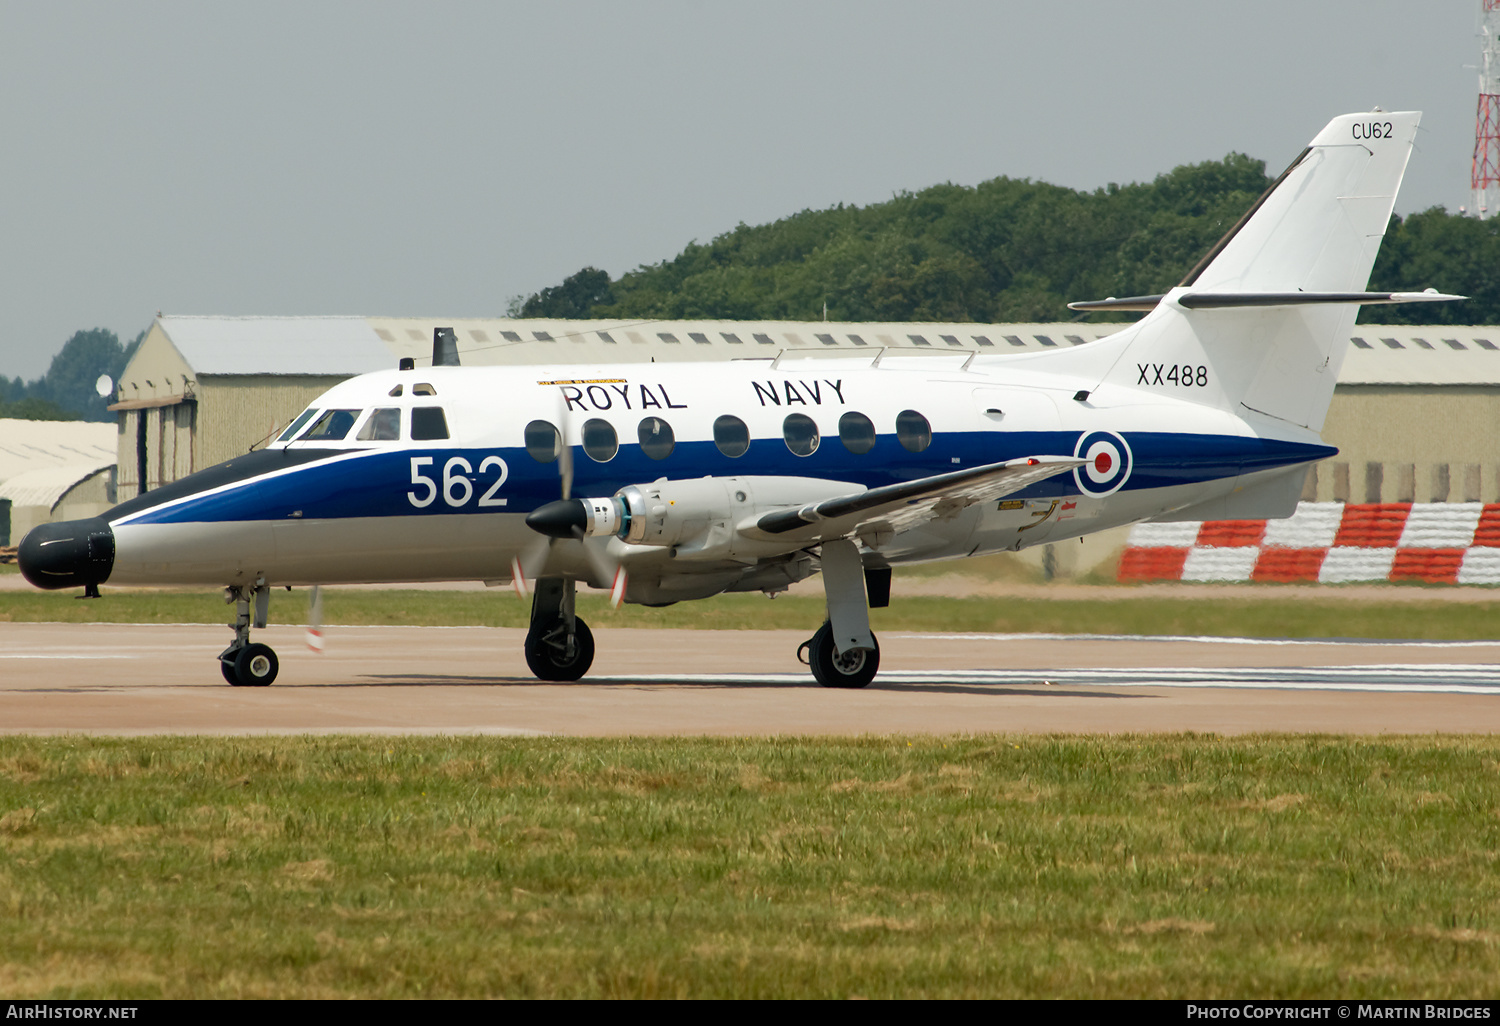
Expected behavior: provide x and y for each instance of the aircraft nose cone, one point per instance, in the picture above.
(69, 554)
(565, 518)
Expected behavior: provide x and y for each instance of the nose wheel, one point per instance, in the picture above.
(245, 664)
(559, 645)
(254, 666)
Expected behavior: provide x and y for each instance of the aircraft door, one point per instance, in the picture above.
(1027, 423)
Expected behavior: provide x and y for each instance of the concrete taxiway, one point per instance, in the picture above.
(151, 679)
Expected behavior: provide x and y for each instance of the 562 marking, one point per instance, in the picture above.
(457, 488)
(1185, 375)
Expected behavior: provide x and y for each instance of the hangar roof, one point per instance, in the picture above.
(347, 345)
(277, 345)
(27, 445)
(1406, 354)
(45, 486)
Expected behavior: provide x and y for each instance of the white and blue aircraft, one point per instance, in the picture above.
(671, 482)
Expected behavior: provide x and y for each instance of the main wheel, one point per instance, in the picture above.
(552, 655)
(226, 667)
(852, 669)
(255, 666)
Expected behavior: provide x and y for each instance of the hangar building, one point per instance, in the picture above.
(53, 470)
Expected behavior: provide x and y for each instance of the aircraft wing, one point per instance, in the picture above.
(909, 503)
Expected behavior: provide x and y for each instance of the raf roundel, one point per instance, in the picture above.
(1108, 466)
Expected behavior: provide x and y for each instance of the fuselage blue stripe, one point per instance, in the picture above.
(380, 483)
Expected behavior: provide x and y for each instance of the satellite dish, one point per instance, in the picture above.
(105, 385)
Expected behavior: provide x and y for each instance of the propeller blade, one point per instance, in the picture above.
(605, 569)
(565, 449)
(315, 619)
(528, 565)
(617, 593)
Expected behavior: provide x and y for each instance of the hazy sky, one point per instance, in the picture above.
(435, 159)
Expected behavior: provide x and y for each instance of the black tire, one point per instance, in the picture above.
(851, 670)
(256, 666)
(226, 667)
(548, 655)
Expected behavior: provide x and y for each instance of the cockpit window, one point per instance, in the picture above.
(297, 425)
(395, 393)
(331, 427)
(423, 388)
(384, 425)
(428, 423)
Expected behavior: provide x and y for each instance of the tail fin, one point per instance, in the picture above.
(1243, 319)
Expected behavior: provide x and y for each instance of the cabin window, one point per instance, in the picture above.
(543, 443)
(801, 434)
(297, 425)
(384, 425)
(428, 423)
(656, 438)
(600, 440)
(331, 427)
(423, 388)
(913, 431)
(731, 436)
(857, 433)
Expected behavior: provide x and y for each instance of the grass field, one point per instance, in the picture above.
(958, 867)
(1208, 614)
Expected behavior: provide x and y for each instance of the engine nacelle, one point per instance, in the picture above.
(699, 517)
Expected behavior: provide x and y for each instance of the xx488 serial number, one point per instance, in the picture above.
(1185, 374)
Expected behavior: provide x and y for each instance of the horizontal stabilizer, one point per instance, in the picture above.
(977, 484)
(1229, 300)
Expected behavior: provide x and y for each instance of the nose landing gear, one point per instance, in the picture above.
(559, 645)
(246, 665)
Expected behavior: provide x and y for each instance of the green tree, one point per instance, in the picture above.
(1447, 252)
(575, 297)
(68, 390)
(1006, 249)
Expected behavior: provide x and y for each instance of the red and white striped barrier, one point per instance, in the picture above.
(1327, 542)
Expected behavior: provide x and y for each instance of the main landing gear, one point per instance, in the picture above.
(559, 645)
(243, 664)
(844, 652)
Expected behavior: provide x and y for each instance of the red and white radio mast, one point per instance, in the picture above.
(1486, 176)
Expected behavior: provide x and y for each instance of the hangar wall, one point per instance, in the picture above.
(1411, 443)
